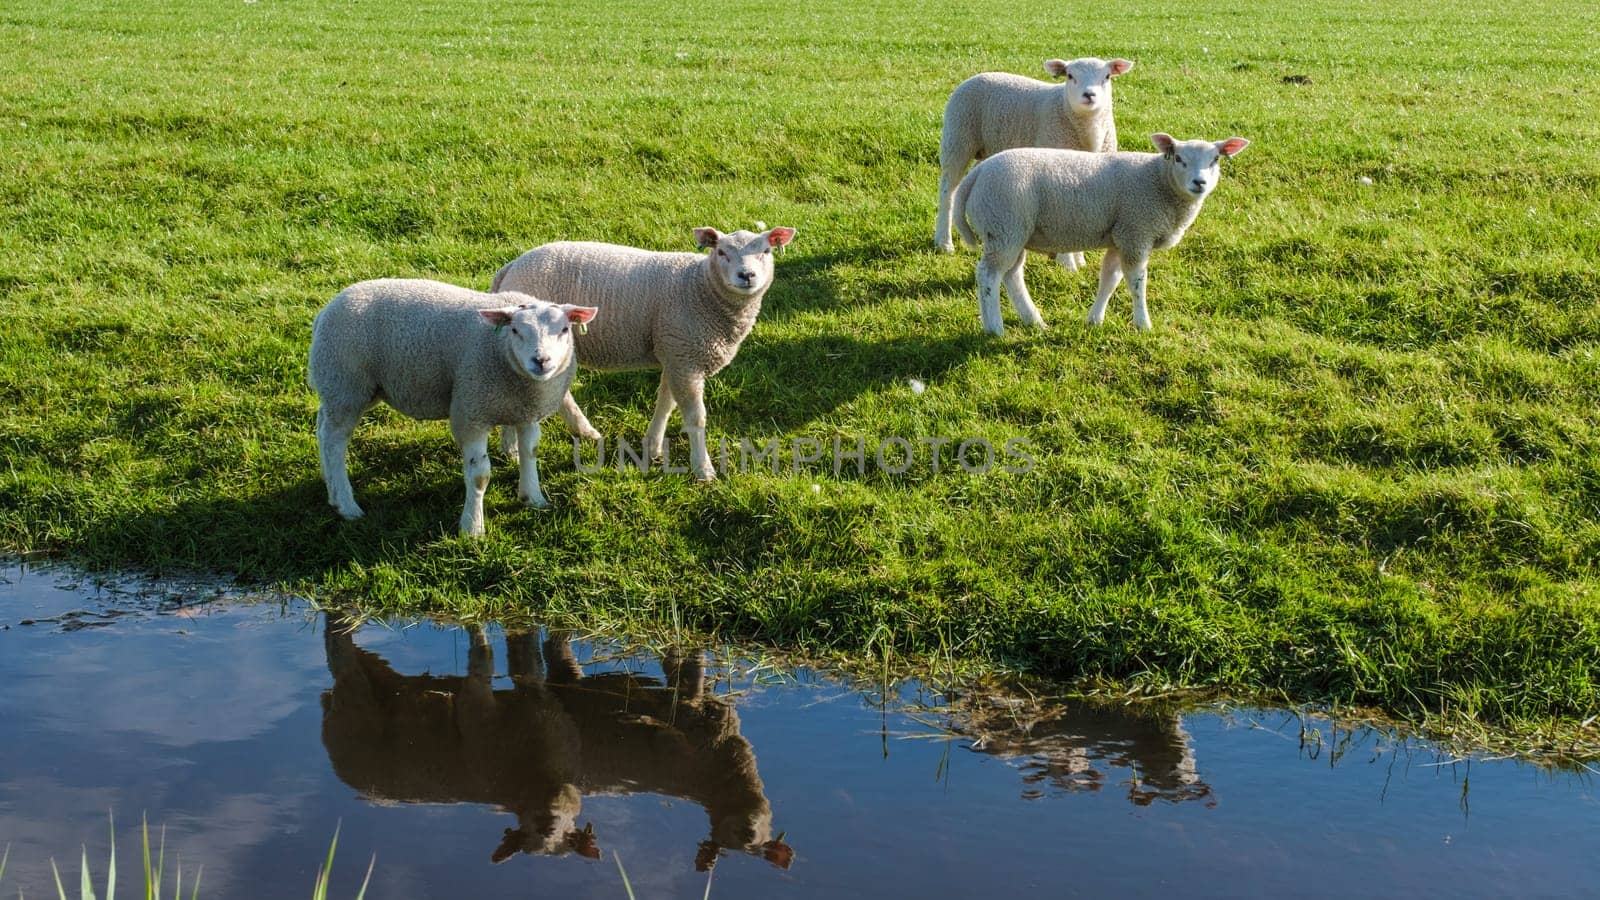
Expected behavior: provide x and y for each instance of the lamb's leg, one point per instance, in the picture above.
(474, 702)
(1020, 301)
(685, 674)
(994, 263)
(655, 437)
(1110, 277)
(335, 424)
(1072, 262)
(559, 663)
(1133, 269)
(522, 657)
(576, 422)
(338, 642)
(528, 466)
(475, 471)
(508, 440)
(688, 388)
(353, 686)
(949, 177)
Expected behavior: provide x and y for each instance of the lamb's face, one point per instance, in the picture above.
(748, 833)
(549, 832)
(742, 261)
(1087, 81)
(539, 335)
(1193, 167)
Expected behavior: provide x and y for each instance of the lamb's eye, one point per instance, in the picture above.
(1069, 77)
(1179, 161)
(515, 331)
(566, 329)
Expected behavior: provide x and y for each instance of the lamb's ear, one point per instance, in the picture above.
(777, 852)
(513, 841)
(1056, 67)
(579, 314)
(1118, 66)
(706, 237)
(1232, 146)
(1165, 143)
(498, 317)
(780, 236)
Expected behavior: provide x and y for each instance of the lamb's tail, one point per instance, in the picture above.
(500, 277)
(958, 208)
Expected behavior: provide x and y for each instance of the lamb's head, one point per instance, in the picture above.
(1194, 166)
(1088, 81)
(538, 335)
(550, 831)
(742, 261)
(751, 833)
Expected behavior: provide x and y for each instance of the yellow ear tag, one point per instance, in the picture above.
(583, 327)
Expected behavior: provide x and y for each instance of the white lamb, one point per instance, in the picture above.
(998, 111)
(684, 313)
(1057, 201)
(437, 351)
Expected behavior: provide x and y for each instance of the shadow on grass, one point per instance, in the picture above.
(786, 384)
(804, 285)
(275, 525)
(410, 488)
(874, 276)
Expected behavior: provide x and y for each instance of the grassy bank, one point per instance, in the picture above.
(1358, 459)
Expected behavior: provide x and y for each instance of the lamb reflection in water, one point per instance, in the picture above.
(1074, 745)
(537, 748)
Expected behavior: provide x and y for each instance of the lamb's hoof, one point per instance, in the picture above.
(946, 247)
(705, 477)
(472, 529)
(1092, 322)
(537, 501)
(351, 513)
(1067, 261)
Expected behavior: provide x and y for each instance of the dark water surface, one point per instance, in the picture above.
(490, 765)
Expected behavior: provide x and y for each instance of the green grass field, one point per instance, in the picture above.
(1358, 460)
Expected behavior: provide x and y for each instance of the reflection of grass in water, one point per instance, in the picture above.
(628, 886)
(155, 871)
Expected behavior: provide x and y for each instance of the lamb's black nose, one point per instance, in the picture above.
(543, 362)
(1199, 184)
(747, 276)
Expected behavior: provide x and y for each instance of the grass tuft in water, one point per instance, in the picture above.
(624, 873)
(155, 871)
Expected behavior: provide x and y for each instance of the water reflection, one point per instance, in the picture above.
(213, 719)
(537, 748)
(1074, 745)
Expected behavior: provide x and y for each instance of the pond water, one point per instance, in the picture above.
(487, 764)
